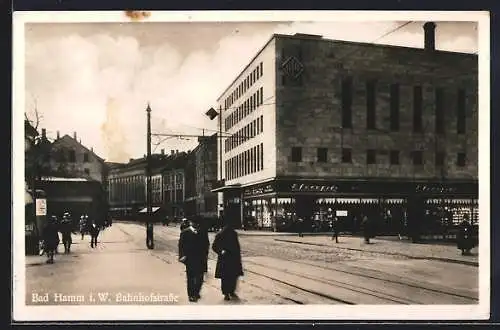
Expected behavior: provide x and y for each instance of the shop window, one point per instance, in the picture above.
(371, 98)
(371, 157)
(346, 155)
(461, 159)
(461, 112)
(439, 158)
(394, 108)
(296, 154)
(417, 109)
(418, 157)
(394, 157)
(322, 155)
(347, 103)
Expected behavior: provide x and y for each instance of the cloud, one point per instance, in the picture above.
(99, 85)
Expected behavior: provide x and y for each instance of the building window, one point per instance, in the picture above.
(86, 157)
(87, 171)
(258, 157)
(461, 159)
(262, 123)
(296, 154)
(371, 99)
(261, 69)
(417, 109)
(439, 111)
(72, 156)
(346, 155)
(262, 156)
(439, 158)
(418, 158)
(394, 108)
(394, 157)
(322, 155)
(371, 156)
(347, 103)
(461, 112)
(262, 95)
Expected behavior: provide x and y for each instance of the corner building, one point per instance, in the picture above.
(360, 128)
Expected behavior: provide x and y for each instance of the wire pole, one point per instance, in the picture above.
(149, 225)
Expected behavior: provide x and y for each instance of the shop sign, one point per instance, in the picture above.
(302, 187)
(341, 213)
(259, 190)
(41, 206)
(439, 188)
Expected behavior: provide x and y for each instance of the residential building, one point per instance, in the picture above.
(358, 127)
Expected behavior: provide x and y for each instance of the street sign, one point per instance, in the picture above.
(41, 206)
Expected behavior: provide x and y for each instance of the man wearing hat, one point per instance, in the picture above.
(66, 229)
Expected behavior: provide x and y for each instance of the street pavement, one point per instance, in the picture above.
(278, 270)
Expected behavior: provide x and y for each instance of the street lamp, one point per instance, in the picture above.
(149, 225)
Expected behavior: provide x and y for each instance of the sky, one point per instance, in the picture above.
(96, 79)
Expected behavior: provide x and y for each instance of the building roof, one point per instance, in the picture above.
(302, 36)
(66, 137)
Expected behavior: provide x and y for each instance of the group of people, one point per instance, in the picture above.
(50, 234)
(194, 246)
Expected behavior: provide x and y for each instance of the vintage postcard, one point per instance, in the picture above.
(238, 165)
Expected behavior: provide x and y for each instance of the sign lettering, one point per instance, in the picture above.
(301, 187)
(423, 188)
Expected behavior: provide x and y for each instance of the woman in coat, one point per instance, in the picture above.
(229, 266)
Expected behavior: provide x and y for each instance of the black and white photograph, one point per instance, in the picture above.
(236, 165)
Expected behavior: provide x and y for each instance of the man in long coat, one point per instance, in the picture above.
(192, 247)
(66, 230)
(229, 266)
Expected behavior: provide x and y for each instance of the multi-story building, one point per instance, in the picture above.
(128, 185)
(202, 177)
(357, 127)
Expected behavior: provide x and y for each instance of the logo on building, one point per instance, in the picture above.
(292, 67)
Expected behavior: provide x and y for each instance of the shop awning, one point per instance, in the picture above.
(226, 188)
(145, 210)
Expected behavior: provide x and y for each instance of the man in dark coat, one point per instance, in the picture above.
(192, 247)
(94, 230)
(332, 223)
(229, 266)
(66, 230)
(51, 238)
(465, 241)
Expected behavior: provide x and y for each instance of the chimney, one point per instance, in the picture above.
(163, 152)
(430, 36)
(44, 133)
(92, 149)
(58, 135)
(74, 135)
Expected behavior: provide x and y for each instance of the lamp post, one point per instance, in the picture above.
(149, 225)
(212, 113)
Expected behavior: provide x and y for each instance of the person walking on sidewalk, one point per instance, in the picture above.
(300, 226)
(83, 225)
(51, 238)
(367, 228)
(66, 230)
(229, 266)
(191, 254)
(333, 224)
(94, 230)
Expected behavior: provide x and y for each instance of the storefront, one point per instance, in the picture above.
(277, 204)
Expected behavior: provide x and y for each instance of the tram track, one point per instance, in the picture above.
(309, 286)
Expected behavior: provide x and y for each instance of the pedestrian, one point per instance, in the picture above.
(184, 224)
(192, 246)
(300, 226)
(94, 233)
(366, 226)
(83, 225)
(66, 230)
(205, 242)
(149, 236)
(229, 266)
(465, 241)
(51, 238)
(332, 223)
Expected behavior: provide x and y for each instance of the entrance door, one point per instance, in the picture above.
(305, 208)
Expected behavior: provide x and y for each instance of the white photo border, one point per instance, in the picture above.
(22, 312)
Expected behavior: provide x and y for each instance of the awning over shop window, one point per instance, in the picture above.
(326, 201)
(369, 200)
(348, 200)
(394, 200)
(145, 210)
(451, 201)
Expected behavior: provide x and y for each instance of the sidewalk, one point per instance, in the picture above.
(404, 248)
